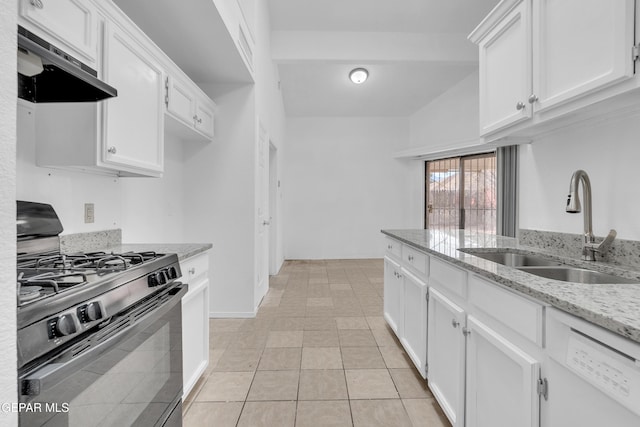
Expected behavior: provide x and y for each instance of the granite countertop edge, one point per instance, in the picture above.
(183, 250)
(615, 307)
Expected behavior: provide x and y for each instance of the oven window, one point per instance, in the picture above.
(136, 383)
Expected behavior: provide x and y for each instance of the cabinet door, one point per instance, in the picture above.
(181, 101)
(195, 333)
(580, 46)
(414, 337)
(501, 381)
(393, 296)
(73, 22)
(505, 71)
(446, 355)
(133, 121)
(204, 119)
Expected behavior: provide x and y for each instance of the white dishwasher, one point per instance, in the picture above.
(593, 375)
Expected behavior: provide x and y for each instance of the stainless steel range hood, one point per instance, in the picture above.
(48, 74)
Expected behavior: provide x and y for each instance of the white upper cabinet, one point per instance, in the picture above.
(580, 46)
(70, 24)
(540, 60)
(133, 121)
(505, 71)
(189, 111)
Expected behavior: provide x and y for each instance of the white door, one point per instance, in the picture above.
(393, 295)
(446, 355)
(262, 214)
(414, 337)
(581, 45)
(501, 381)
(505, 71)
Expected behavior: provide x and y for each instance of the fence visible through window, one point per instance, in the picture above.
(461, 192)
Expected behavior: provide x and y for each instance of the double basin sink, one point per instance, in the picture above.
(548, 267)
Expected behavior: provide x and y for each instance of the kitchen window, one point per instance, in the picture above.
(475, 192)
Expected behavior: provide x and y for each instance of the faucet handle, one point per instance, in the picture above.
(603, 246)
(606, 243)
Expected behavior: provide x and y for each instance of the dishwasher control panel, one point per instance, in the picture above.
(611, 371)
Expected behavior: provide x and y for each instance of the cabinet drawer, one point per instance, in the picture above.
(194, 268)
(415, 260)
(393, 247)
(448, 277)
(517, 313)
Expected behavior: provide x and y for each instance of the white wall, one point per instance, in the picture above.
(147, 209)
(66, 191)
(153, 209)
(270, 109)
(609, 153)
(450, 119)
(342, 186)
(8, 94)
(219, 207)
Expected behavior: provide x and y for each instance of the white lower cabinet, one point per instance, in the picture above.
(195, 320)
(446, 355)
(414, 337)
(501, 380)
(393, 296)
(478, 344)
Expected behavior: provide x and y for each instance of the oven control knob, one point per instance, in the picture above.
(172, 273)
(161, 277)
(152, 281)
(65, 325)
(92, 312)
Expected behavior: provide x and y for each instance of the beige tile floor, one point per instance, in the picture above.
(318, 353)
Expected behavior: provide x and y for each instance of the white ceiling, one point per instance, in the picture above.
(412, 16)
(400, 84)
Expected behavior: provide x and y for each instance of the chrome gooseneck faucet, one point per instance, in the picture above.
(589, 247)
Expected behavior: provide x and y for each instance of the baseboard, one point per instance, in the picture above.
(232, 315)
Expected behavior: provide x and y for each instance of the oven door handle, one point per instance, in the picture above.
(53, 373)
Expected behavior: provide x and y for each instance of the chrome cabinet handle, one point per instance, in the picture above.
(112, 150)
(199, 120)
(520, 106)
(410, 257)
(37, 3)
(192, 270)
(455, 323)
(532, 98)
(389, 247)
(466, 332)
(266, 222)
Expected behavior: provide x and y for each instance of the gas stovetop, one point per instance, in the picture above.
(48, 275)
(63, 297)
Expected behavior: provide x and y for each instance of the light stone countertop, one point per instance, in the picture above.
(615, 307)
(183, 250)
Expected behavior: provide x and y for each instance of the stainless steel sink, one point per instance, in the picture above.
(579, 275)
(514, 259)
(547, 267)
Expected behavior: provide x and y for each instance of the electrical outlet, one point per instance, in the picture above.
(89, 213)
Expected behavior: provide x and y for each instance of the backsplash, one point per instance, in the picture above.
(622, 252)
(91, 241)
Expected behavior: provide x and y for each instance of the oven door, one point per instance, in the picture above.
(127, 373)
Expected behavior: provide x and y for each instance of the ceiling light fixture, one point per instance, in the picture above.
(358, 75)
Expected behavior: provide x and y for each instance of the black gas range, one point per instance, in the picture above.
(92, 316)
